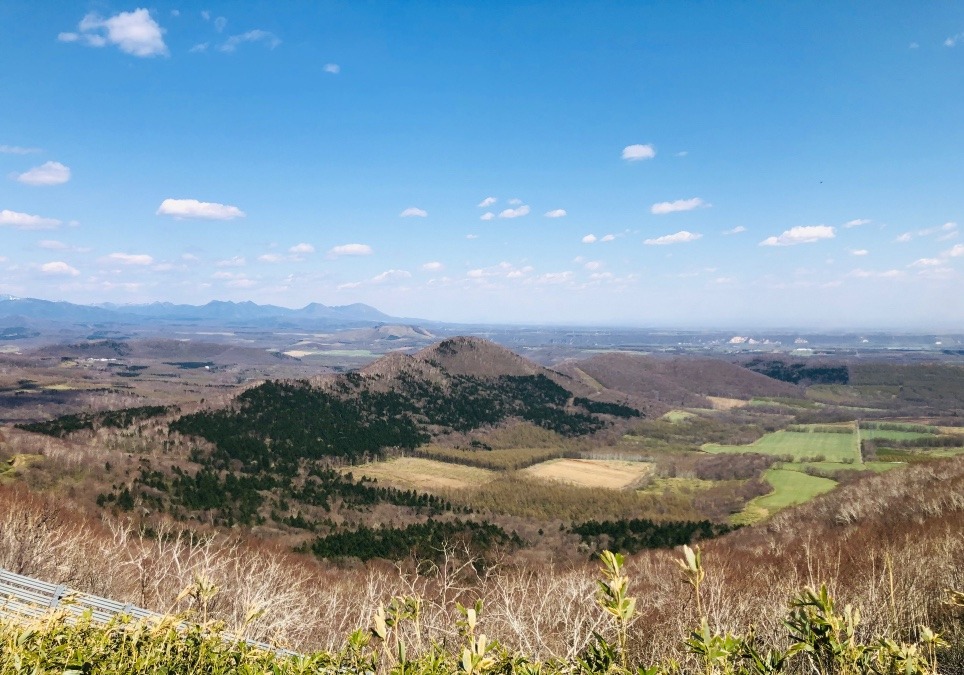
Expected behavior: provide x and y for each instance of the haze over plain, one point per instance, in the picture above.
(679, 165)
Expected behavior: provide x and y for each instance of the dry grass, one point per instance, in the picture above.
(423, 474)
(723, 403)
(594, 473)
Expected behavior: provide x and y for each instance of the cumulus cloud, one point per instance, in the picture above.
(956, 252)
(236, 261)
(59, 268)
(433, 266)
(26, 221)
(556, 213)
(271, 258)
(48, 173)
(636, 152)
(134, 33)
(860, 252)
(857, 222)
(662, 208)
(302, 248)
(488, 215)
(927, 262)
(129, 258)
(390, 275)
(413, 212)
(519, 211)
(16, 150)
(593, 265)
(801, 234)
(192, 208)
(332, 68)
(488, 201)
(736, 230)
(52, 245)
(350, 249)
(608, 237)
(680, 237)
(256, 35)
(589, 239)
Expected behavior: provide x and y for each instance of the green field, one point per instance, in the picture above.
(839, 448)
(677, 416)
(789, 488)
(893, 435)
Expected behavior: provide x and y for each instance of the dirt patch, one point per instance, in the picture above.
(423, 474)
(721, 403)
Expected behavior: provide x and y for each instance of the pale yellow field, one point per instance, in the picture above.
(951, 430)
(612, 474)
(423, 474)
(721, 403)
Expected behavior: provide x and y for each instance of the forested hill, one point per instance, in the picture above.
(397, 402)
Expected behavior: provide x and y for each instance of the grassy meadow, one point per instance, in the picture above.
(801, 446)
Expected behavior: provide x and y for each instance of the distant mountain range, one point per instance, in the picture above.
(215, 312)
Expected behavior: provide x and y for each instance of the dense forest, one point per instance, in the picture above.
(801, 373)
(631, 536)
(119, 419)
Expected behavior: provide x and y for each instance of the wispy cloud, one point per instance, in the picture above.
(271, 258)
(488, 215)
(59, 268)
(556, 213)
(26, 221)
(857, 222)
(517, 212)
(48, 173)
(52, 245)
(681, 237)
(350, 250)
(953, 40)
(236, 261)
(301, 249)
(390, 275)
(413, 212)
(141, 259)
(433, 266)
(608, 237)
(16, 150)
(662, 208)
(860, 252)
(257, 35)
(637, 152)
(487, 202)
(332, 68)
(927, 262)
(134, 33)
(801, 234)
(192, 208)
(873, 274)
(956, 252)
(735, 230)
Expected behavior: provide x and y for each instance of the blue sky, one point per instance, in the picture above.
(655, 164)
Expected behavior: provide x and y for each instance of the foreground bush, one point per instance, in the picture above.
(820, 639)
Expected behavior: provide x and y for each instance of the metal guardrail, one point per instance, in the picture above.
(24, 597)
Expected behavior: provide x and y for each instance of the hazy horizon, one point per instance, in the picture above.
(665, 166)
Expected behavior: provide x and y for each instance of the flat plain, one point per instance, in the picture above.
(423, 474)
(611, 474)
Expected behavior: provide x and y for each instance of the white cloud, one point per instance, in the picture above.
(271, 258)
(736, 230)
(680, 237)
(236, 261)
(413, 211)
(927, 262)
(192, 208)
(16, 150)
(390, 275)
(637, 152)
(682, 153)
(433, 266)
(801, 234)
(189, 257)
(515, 201)
(256, 35)
(953, 40)
(301, 248)
(350, 249)
(662, 208)
(241, 283)
(488, 201)
(556, 213)
(554, 278)
(488, 215)
(471, 236)
(860, 252)
(904, 238)
(517, 212)
(589, 239)
(129, 258)
(59, 268)
(871, 274)
(26, 221)
(332, 68)
(199, 47)
(857, 222)
(913, 45)
(48, 173)
(593, 265)
(608, 237)
(134, 33)
(53, 245)
(220, 23)
(947, 227)
(956, 252)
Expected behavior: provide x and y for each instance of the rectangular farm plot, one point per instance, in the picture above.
(800, 445)
(597, 473)
(423, 474)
